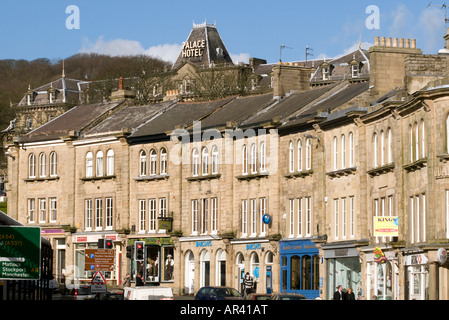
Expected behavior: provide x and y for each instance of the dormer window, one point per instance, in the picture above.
(354, 71)
(51, 96)
(325, 73)
(325, 70)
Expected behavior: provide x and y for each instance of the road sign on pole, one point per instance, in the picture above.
(99, 259)
(98, 283)
(20, 253)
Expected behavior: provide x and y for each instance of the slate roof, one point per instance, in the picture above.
(237, 110)
(288, 106)
(64, 87)
(327, 104)
(130, 117)
(213, 41)
(181, 114)
(77, 119)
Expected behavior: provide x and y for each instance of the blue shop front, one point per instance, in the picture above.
(300, 271)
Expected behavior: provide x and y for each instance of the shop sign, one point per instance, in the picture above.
(386, 226)
(379, 256)
(442, 256)
(203, 244)
(416, 259)
(287, 247)
(253, 246)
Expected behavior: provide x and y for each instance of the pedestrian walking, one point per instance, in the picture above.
(349, 295)
(127, 280)
(139, 280)
(247, 284)
(339, 295)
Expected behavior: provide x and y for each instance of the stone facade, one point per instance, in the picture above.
(285, 185)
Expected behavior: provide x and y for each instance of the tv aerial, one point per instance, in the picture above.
(283, 46)
(442, 6)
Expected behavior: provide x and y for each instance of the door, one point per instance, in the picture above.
(189, 273)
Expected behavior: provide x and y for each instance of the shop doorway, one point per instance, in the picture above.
(189, 273)
(240, 271)
(205, 269)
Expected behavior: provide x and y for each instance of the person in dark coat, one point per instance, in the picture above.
(349, 295)
(339, 294)
(139, 280)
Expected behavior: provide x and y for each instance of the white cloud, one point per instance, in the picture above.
(241, 57)
(166, 52)
(401, 20)
(431, 22)
(123, 47)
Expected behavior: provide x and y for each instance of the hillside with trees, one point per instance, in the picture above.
(17, 75)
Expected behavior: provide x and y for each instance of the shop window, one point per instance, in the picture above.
(295, 273)
(255, 270)
(152, 264)
(169, 264)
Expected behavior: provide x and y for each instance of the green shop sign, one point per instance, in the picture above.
(20, 253)
(154, 241)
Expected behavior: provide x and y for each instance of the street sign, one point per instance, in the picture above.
(98, 283)
(99, 259)
(20, 253)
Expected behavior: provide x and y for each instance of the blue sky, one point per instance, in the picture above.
(33, 29)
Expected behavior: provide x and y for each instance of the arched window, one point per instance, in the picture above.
(214, 160)
(376, 150)
(263, 157)
(32, 166)
(411, 142)
(423, 140)
(42, 165)
(195, 162)
(205, 161)
(153, 162)
(53, 164)
(291, 158)
(99, 164)
(143, 163)
(244, 160)
(447, 134)
(382, 148)
(351, 150)
(110, 162)
(308, 154)
(255, 266)
(299, 155)
(390, 146)
(416, 139)
(335, 153)
(164, 161)
(253, 158)
(89, 165)
(343, 151)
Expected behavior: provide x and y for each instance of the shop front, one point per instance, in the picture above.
(77, 273)
(158, 263)
(257, 257)
(343, 267)
(416, 275)
(300, 267)
(382, 273)
(205, 262)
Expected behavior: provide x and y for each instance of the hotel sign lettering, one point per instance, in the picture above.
(192, 49)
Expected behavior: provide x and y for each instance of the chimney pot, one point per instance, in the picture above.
(401, 43)
(376, 41)
(414, 43)
(407, 43)
(388, 42)
(382, 41)
(120, 84)
(395, 42)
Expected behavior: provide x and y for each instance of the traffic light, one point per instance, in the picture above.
(138, 250)
(100, 243)
(108, 244)
(129, 250)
